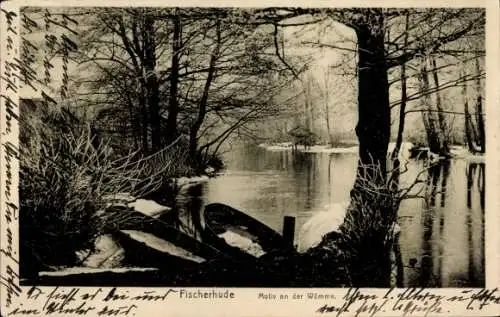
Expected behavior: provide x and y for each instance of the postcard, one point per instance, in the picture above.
(263, 158)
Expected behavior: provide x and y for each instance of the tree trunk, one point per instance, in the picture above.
(404, 97)
(144, 122)
(152, 82)
(173, 103)
(373, 127)
(327, 110)
(468, 124)
(443, 129)
(479, 111)
(402, 109)
(135, 124)
(370, 213)
(326, 100)
(307, 107)
(202, 108)
(431, 127)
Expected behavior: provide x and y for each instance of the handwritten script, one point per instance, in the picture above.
(18, 62)
(10, 77)
(411, 302)
(75, 301)
(114, 301)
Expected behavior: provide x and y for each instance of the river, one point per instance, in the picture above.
(441, 239)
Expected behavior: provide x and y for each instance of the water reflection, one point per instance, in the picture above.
(441, 241)
(449, 227)
(435, 190)
(475, 182)
(187, 210)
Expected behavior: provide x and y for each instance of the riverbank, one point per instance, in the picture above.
(407, 150)
(85, 236)
(318, 148)
(268, 185)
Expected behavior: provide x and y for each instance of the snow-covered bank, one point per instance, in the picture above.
(283, 146)
(144, 206)
(327, 149)
(182, 181)
(322, 222)
(405, 151)
(325, 221)
(461, 152)
(149, 207)
(89, 270)
(288, 146)
(107, 253)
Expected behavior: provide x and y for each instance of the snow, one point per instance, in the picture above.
(321, 223)
(161, 245)
(89, 270)
(120, 196)
(282, 145)
(288, 146)
(461, 152)
(107, 253)
(326, 221)
(394, 231)
(277, 146)
(285, 146)
(404, 150)
(475, 158)
(209, 170)
(148, 207)
(118, 199)
(243, 243)
(326, 149)
(181, 181)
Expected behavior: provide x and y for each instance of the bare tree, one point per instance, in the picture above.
(375, 58)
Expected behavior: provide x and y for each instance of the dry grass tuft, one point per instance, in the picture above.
(65, 173)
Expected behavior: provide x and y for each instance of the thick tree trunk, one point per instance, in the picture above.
(371, 212)
(373, 127)
(173, 103)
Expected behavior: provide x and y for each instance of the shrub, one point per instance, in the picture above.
(58, 200)
(65, 173)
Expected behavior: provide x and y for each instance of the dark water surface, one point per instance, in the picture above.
(442, 237)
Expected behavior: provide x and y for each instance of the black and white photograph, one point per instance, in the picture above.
(263, 147)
